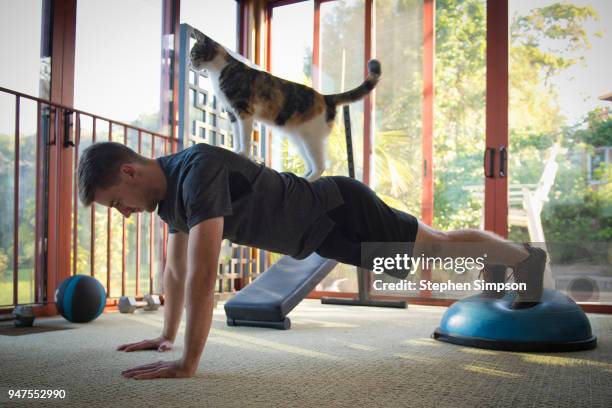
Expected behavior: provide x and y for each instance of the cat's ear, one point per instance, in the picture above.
(200, 36)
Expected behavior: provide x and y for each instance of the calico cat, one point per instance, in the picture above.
(302, 113)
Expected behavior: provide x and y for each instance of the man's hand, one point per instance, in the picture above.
(160, 344)
(161, 369)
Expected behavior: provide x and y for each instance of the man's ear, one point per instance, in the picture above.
(128, 169)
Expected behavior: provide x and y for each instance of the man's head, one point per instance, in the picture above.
(113, 175)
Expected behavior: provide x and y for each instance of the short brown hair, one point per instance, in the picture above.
(99, 167)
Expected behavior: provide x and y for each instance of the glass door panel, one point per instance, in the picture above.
(459, 121)
(560, 178)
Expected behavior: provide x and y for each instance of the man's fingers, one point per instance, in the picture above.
(164, 347)
(135, 347)
(125, 346)
(160, 373)
(141, 368)
(141, 345)
(160, 369)
(134, 373)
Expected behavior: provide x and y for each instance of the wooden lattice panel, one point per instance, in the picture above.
(204, 120)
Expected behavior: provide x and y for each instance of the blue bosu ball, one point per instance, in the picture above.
(557, 323)
(80, 299)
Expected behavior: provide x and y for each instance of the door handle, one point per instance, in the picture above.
(67, 127)
(54, 124)
(489, 165)
(503, 161)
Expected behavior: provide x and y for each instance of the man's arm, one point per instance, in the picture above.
(203, 247)
(202, 265)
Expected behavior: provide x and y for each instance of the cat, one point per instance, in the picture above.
(300, 112)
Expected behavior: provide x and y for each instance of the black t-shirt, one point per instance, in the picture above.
(262, 208)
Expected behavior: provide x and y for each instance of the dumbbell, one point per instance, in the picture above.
(22, 316)
(129, 304)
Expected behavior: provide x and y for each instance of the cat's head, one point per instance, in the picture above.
(204, 51)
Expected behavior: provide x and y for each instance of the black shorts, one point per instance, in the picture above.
(363, 218)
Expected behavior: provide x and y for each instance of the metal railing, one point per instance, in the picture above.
(143, 138)
(49, 131)
(125, 255)
(8, 250)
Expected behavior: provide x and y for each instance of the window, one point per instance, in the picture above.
(214, 18)
(559, 136)
(22, 68)
(341, 68)
(119, 77)
(292, 42)
(290, 58)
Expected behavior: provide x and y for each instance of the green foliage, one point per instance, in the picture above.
(535, 121)
(397, 124)
(459, 125)
(149, 121)
(27, 204)
(460, 85)
(542, 44)
(560, 22)
(599, 131)
(25, 284)
(3, 261)
(27, 221)
(578, 211)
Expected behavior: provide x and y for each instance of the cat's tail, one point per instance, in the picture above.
(374, 72)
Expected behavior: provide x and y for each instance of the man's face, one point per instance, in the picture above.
(130, 195)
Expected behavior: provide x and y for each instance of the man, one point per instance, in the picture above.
(207, 193)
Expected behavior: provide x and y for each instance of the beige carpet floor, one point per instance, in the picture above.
(334, 356)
